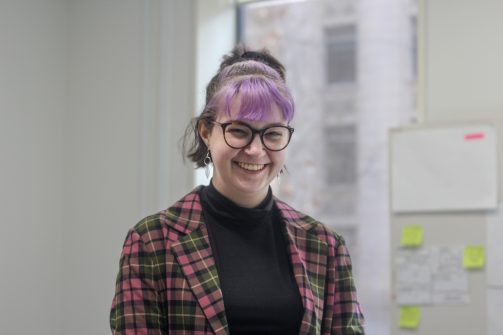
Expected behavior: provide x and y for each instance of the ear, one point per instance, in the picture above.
(204, 132)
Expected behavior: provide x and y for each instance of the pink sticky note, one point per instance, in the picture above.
(474, 136)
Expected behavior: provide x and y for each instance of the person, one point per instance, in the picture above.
(230, 257)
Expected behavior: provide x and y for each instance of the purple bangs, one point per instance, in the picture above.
(258, 95)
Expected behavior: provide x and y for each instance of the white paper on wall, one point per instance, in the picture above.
(450, 280)
(413, 277)
(431, 275)
(439, 169)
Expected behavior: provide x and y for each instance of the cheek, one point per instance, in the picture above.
(222, 154)
(278, 158)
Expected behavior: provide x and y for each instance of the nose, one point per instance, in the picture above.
(255, 147)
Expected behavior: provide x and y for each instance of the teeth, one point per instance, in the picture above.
(251, 167)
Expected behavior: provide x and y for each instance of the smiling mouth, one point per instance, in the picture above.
(251, 167)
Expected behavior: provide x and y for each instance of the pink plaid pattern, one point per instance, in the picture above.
(168, 282)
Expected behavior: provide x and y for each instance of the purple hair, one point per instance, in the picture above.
(259, 88)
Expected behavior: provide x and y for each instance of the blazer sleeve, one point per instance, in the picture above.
(347, 317)
(138, 304)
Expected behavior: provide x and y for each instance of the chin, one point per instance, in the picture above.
(253, 187)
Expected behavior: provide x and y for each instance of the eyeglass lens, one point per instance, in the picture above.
(238, 135)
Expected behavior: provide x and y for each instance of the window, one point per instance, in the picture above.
(340, 148)
(340, 44)
(350, 74)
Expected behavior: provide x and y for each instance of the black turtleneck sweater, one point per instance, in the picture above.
(259, 289)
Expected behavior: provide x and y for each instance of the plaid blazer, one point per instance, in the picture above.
(168, 281)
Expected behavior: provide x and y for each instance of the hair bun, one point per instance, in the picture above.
(240, 54)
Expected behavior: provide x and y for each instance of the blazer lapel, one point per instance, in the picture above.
(196, 260)
(308, 255)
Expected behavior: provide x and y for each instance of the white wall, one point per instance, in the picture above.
(462, 55)
(93, 98)
(32, 105)
(130, 95)
(102, 153)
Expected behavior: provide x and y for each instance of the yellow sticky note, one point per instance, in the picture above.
(412, 236)
(409, 317)
(474, 257)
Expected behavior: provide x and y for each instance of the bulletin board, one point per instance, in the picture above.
(446, 244)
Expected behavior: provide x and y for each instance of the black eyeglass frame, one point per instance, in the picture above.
(255, 131)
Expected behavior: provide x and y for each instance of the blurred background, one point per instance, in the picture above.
(95, 95)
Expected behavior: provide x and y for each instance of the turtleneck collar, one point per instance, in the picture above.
(226, 212)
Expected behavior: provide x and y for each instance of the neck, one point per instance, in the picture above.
(249, 202)
(242, 199)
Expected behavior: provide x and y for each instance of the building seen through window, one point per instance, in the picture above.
(340, 44)
(351, 67)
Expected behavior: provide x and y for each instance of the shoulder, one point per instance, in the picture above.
(158, 230)
(308, 223)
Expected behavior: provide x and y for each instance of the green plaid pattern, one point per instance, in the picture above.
(168, 282)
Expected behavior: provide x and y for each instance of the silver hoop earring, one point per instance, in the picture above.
(207, 161)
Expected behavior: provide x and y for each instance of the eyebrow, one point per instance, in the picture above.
(266, 126)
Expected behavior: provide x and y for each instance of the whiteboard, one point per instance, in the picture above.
(437, 168)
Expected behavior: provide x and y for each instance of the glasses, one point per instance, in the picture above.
(238, 135)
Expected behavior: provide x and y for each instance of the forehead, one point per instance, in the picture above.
(238, 111)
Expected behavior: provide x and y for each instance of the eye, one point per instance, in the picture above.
(274, 134)
(238, 131)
